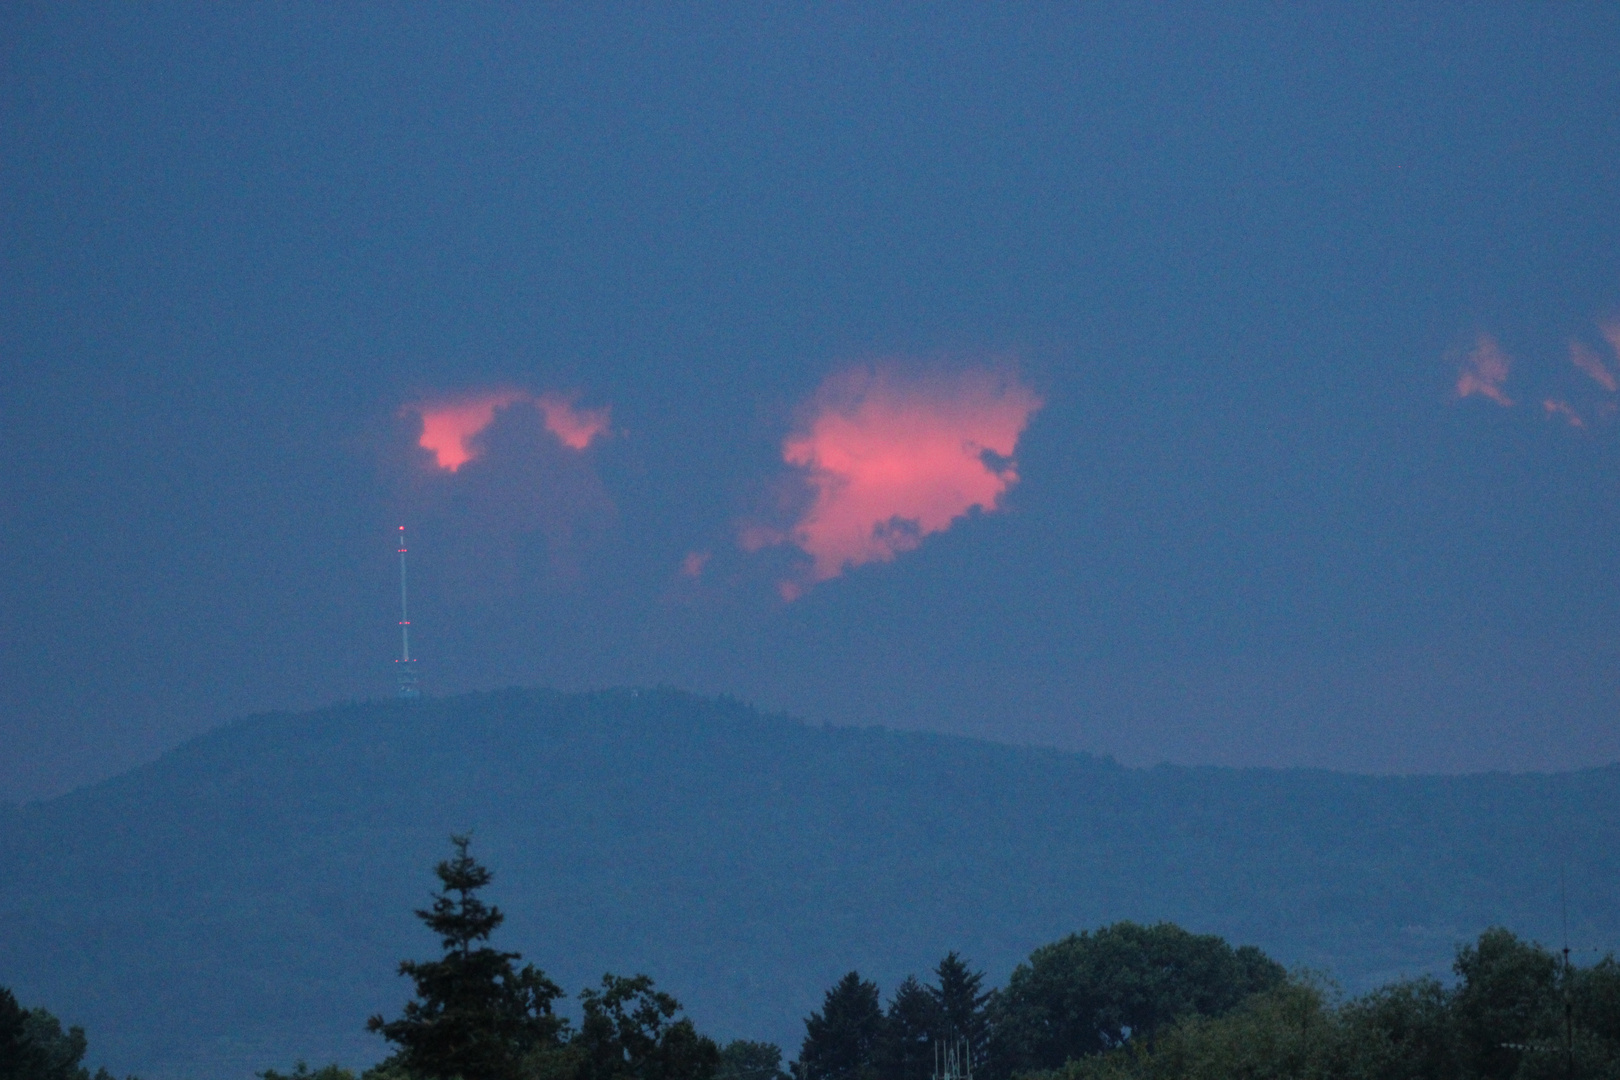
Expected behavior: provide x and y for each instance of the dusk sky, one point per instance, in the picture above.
(1212, 384)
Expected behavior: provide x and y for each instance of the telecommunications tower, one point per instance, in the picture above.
(407, 666)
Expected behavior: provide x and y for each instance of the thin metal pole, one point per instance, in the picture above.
(1569, 1004)
(404, 613)
(407, 667)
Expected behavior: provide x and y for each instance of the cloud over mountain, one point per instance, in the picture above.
(451, 425)
(890, 458)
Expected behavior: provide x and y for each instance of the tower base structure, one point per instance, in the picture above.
(406, 672)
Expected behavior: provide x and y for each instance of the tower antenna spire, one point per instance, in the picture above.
(407, 667)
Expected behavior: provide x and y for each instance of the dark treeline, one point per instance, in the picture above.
(1125, 1002)
(1076, 998)
(1132, 1002)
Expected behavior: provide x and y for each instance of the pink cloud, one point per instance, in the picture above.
(1484, 371)
(752, 538)
(574, 428)
(890, 460)
(1553, 407)
(692, 566)
(1589, 362)
(449, 426)
(1610, 329)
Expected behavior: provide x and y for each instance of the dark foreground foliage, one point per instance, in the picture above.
(1082, 996)
(1132, 1002)
(1516, 1013)
(1090, 993)
(742, 1059)
(33, 1045)
(477, 1015)
(1125, 1002)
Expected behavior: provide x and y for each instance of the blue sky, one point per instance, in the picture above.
(1240, 255)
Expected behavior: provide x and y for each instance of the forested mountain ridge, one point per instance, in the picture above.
(246, 898)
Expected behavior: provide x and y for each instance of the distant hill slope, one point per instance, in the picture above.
(244, 900)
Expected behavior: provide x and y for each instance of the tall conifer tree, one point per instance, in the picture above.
(476, 1015)
(913, 1025)
(961, 1003)
(845, 1039)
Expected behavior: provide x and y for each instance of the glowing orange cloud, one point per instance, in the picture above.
(448, 427)
(574, 428)
(1554, 407)
(890, 460)
(1589, 362)
(1484, 371)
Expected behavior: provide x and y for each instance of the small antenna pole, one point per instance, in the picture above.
(953, 1058)
(1569, 1004)
(407, 667)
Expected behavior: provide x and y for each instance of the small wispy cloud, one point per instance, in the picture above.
(753, 537)
(1483, 372)
(1610, 328)
(1589, 362)
(1553, 407)
(574, 427)
(890, 459)
(451, 425)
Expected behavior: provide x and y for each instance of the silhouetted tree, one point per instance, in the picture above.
(630, 1032)
(301, 1071)
(844, 1040)
(33, 1045)
(1402, 1030)
(13, 1036)
(741, 1059)
(1503, 1018)
(476, 1016)
(961, 1003)
(1507, 998)
(1596, 994)
(913, 1023)
(1091, 992)
(1290, 1032)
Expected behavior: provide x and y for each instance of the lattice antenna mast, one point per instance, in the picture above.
(407, 667)
(953, 1059)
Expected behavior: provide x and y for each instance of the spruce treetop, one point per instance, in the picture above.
(458, 916)
(476, 1016)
